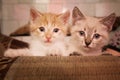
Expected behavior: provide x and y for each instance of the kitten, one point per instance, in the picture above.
(48, 32)
(90, 34)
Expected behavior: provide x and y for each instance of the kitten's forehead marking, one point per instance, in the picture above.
(95, 30)
(92, 24)
(84, 29)
(90, 30)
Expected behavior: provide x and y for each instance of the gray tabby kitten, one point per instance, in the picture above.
(90, 34)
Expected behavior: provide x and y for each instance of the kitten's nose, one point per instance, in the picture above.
(48, 38)
(87, 43)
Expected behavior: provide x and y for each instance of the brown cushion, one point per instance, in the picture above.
(65, 68)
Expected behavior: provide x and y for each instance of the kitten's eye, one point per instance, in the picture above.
(56, 30)
(42, 29)
(82, 33)
(96, 36)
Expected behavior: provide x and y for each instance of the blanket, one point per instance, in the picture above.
(65, 68)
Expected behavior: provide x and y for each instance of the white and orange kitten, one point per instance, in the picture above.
(48, 32)
(90, 34)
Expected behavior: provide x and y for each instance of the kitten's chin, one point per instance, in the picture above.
(47, 42)
(90, 49)
(87, 48)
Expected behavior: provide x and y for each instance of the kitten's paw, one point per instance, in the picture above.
(54, 55)
(75, 54)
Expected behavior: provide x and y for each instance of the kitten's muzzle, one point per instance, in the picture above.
(48, 40)
(88, 42)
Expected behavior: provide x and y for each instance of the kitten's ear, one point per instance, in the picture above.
(65, 16)
(109, 21)
(34, 13)
(77, 15)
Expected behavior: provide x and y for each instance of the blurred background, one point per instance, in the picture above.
(15, 13)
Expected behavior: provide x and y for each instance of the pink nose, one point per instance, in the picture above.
(48, 38)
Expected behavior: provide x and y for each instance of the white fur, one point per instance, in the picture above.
(38, 49)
